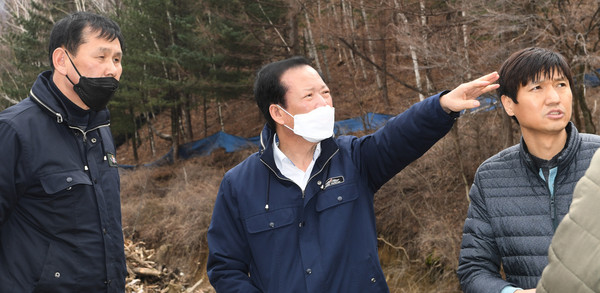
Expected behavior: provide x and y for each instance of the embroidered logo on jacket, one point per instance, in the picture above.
(112, 160)
(333, 181)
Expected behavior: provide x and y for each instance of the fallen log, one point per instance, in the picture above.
(147, 272)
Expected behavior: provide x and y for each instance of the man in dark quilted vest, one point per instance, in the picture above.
(520, 195)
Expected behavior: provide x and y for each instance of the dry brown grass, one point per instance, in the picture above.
(169, 209)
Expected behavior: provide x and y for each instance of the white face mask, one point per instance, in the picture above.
(315, 125)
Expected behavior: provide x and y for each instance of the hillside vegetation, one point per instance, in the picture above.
(188, 70)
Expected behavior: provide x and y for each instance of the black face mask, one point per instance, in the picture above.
(94, 92)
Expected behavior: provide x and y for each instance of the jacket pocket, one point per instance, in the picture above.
(270, 220)
(59, 271)
(66, 198)
(270, 235)
(63, 181)
(335, 196)
(367, 276)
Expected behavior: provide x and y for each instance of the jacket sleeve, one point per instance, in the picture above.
(479, 261)
(229, 255)
(403, 139)
(10, 146)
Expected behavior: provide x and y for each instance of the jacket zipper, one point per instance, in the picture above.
(84, 133)
(59, 117)
(325, 164)
(553, 215)
(553, 211)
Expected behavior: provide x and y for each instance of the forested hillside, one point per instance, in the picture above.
(188, 69)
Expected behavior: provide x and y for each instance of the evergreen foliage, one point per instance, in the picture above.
(180, 54)
(27, 45)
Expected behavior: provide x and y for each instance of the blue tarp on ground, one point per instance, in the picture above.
(204, 147)
(232, 143)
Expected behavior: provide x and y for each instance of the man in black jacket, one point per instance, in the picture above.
(520, 195)
(60, 214)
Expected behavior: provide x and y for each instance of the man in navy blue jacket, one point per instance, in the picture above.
(298, 215)
(60, 214)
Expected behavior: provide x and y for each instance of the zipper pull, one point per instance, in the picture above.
(553, 214)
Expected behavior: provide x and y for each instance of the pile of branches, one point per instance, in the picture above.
(147, 276)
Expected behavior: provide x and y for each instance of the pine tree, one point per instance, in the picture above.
(26, 41)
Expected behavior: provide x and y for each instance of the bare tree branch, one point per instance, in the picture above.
(9, 99)
(361, 55)
(160, 134)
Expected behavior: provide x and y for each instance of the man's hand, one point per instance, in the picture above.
(465, 95)
(525, 291)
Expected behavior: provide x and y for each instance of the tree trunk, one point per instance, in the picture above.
(182, 122)
(344, 57)
(188, 115)
(588, 124)
(370, 47)
(294, 37)
(413, 52)
(423, 18)
(134, 143)
(321, 42)
(576, 110)
(220, 116)
(175, 124)
(205, 111)
(287, 47)
(466, 44)
(335, 42)
(508, 129)
(151, 134)
(311, 43)
(384, 62)
(347, 13)
(456, 139)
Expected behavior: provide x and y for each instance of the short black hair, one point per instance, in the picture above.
(268, 88)
(67, 32)
(530, 64)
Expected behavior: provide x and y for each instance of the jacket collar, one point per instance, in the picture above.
(329, 148)
(43, 94)
(565, 157)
